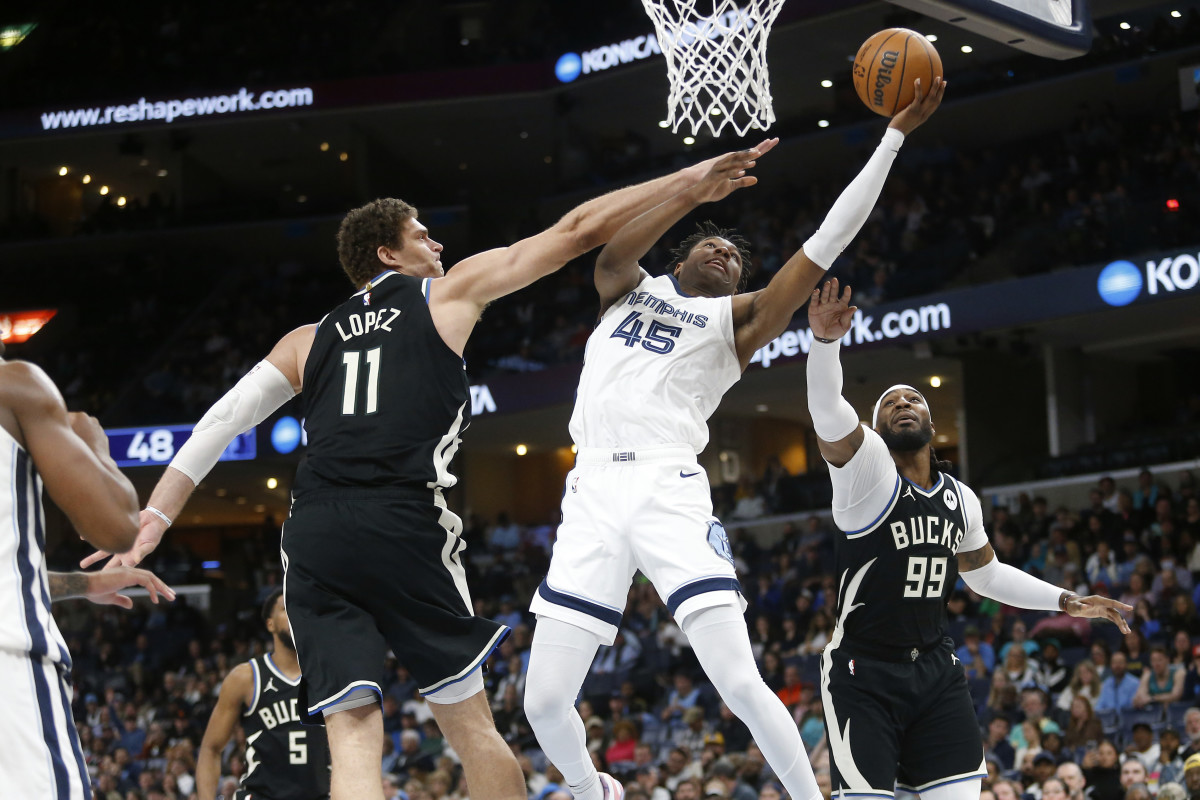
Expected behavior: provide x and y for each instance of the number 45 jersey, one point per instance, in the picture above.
(897, 556)
(655, 369)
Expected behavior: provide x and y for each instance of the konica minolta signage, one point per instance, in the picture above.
(1123, 282)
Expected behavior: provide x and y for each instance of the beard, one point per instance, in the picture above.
(286, 640)
(907, 440)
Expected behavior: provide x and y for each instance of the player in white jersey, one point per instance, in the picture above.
(42, 445)
(665, 351)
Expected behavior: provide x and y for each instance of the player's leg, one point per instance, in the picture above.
(559, 661)
(464, 717)
(941, 752)
(340, 649)
(356, 751)
(859, 700)
(579, 607)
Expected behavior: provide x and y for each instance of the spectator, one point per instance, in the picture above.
(794, 690)
(1083, 728)
(1191, 682)
(1054, 788)
(1132, 771)
(1019, 637)
(1191, 728)
(732, 788)
(1072, 777)
(1162, 683)
(1102, 768)
(1143, 748)
(977, 656)
(1018, 668)
(1191, 776)
(625, 738)
(1051, 674)
(1084, 683)
(682, 697)
(1169, 767)
(996, 743)
(1118, 689)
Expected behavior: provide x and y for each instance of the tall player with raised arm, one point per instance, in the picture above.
(663, 354)
(898, 711)
(371, 552)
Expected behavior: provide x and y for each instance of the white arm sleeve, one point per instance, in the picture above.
(1011, 586)
(852, 208)
(863, 489)
(833, 418)
(254, 398)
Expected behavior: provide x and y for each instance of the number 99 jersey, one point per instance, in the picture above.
(655, 369)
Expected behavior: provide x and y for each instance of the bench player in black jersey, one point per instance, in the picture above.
(371, 552)
(898, 713)
(285, 760)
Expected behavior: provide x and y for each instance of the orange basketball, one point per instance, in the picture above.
(888, 63)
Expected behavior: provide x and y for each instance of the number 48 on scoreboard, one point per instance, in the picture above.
(1053, 28)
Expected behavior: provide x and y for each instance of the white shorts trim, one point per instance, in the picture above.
(334, 699)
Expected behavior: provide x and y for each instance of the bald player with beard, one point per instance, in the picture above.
(898, 712)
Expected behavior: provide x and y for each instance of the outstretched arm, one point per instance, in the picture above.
(839, 433)
(102, 587)
(987, 576)
(70, 451)
(617, 268)
(271, 383)
(457, 300)
(236, 691)
(759, 317)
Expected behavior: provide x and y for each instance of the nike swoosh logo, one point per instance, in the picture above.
(683, 474)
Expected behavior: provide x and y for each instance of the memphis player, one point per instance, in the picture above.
(42, 445)
(663, 354)
(910, 530)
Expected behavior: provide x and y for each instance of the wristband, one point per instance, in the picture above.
(1065, 598)
(823, 340)
(160, 515)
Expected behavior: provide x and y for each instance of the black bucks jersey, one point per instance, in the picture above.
(898, 572)
(284, 759)
(385, 399)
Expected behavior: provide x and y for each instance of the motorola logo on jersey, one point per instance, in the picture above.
(1119, 283)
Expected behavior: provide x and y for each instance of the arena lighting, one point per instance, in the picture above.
(574, 448)
(162, 173)
(272, 483)
(689, 140)
(1176, 14)
(931, 37)
(935, 381)
(210, 565)
(63, 171)
(762, 408)
(716, 112)
(1172, 204)
(522, 449)
(1125, 26)
(662, 123)
(86, 179)
(121, 202)
(343, 156)
(823, 123)
(827, 84)
(103, 190)
(966, 48)
(324, 147)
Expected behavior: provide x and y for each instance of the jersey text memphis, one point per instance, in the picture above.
(655, 369)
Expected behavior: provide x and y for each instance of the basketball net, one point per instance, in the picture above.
(716, 62)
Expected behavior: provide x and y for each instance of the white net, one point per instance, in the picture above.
(716, 62)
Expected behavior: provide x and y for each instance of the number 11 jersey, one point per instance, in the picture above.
(655, 369)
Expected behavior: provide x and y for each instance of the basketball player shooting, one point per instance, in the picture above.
(285, 760)
(371, 551)
(910, 530)
(663, 354)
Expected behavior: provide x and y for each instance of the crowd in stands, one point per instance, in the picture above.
(1066, 706)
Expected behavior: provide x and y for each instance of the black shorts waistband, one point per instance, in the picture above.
(360, 494)
(893, 653)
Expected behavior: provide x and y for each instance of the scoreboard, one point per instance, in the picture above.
(157, 445)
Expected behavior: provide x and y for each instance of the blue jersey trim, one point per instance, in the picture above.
(609, 615)
(425, 284)
(341, 697)
(73, 734)
(890, 503)
(701, 587)
(257, 689)
(478, 662)
(930, 492)
(977, 776)
(49, 730)
(678, 288)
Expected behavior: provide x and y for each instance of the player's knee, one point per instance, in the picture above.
(739, 689)
(542, 706)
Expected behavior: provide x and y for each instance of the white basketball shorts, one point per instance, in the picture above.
(648, 509)
(40, 756)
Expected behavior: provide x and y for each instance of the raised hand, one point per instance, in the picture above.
(830, 316)
(150, 532)
(921, 108)
(727, 173)
(1096, 607)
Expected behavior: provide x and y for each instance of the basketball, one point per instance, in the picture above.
(888, 63)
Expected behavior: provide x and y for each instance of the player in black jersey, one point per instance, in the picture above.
(898, 712)
(371, 552)
(285, 760)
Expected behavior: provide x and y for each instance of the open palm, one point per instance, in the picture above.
(830, 315)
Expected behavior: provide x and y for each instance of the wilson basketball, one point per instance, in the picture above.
(888, 63)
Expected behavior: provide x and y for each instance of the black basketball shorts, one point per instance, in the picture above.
(891, 723)
(369, 570)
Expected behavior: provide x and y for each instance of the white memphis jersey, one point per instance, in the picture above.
(655, 369)
(26, 625)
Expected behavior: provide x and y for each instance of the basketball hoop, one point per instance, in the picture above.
(716, 62)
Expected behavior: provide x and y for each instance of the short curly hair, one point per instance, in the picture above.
(365, 230)
(710, 230)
